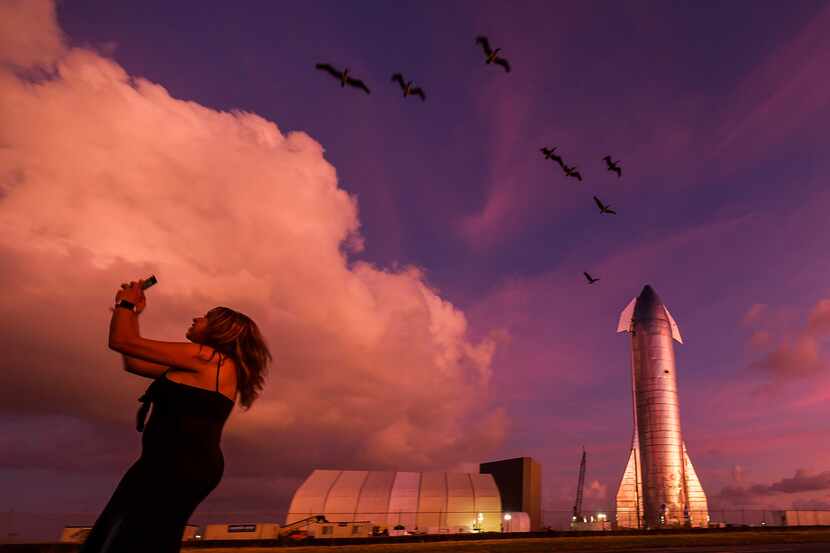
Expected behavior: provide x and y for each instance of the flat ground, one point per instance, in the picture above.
(766, 541)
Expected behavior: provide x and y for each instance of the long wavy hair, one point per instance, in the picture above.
(235, 335)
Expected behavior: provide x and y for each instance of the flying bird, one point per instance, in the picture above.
(590, 279)
(342, 76)
(492, 55)
(572, 172)
(548, 153)
(407, 87)
(604, 208)
(612, 166)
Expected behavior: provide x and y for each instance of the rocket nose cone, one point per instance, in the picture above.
(649, 305)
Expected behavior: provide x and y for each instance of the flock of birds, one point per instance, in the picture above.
(491, 56)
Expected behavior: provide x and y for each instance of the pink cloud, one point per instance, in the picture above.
(107, 177)
(800, 354)
(754, 313)
(819, 320)
(738, 474)
(29, 33)
(802, 482)
(596, 490)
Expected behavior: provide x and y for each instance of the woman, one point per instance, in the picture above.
(195, 386)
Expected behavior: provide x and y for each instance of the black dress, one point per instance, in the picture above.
(180, 464)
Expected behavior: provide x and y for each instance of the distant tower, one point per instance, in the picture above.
(659, 487)
(577, 516)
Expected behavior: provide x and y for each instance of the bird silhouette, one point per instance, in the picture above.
(572, 172)
(612, 166)
(548, 153)
(407, 87)
(604, 208)
(491, 56)
(590, 279)
(342, 76)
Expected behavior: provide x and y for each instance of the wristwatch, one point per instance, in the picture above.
(126, 304)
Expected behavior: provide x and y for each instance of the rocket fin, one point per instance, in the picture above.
(630, 492)
(697, 504)
(624, 324)
(675, 330)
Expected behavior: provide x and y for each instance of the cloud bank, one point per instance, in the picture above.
(798, 355)
(29, 33)
(104, 177)
(802, 482)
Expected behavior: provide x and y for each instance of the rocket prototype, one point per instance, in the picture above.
(659, 487)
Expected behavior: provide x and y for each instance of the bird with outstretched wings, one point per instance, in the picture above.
(490, 55)
(408, 88)
(572, 172)
(343, 77)
(591, 280)
(612, 166)
(604, 208)
(549, 154)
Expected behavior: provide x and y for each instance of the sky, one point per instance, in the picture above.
(416, 266)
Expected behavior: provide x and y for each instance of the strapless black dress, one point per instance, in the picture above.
(181, 463)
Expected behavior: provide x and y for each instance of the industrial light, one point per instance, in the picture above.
(481, 516)
(507, 516)
(600, 516)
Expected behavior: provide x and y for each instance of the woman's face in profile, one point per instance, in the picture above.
(197, 330)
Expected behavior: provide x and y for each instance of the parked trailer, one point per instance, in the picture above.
(250, 531)
(78, 534)
(341, 529)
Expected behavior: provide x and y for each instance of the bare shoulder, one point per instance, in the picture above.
(209, 372)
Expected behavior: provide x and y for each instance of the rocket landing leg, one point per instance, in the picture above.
(697, 504)
(630, 493)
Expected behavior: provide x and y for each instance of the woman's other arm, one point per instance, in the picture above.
(143, 368)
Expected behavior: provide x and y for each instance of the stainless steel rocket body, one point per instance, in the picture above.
(658, 416)
(659, 487)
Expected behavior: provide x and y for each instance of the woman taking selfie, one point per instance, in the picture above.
(195, 386)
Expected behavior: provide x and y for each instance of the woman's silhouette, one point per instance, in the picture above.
(195, 386)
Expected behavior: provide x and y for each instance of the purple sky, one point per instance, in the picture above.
(718, 113)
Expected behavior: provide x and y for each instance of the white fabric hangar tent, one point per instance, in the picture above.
(429, 501)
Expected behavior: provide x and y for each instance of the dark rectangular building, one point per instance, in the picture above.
(520, 485)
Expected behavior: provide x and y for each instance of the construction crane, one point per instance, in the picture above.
(578, 505)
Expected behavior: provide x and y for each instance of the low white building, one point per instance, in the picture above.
(432, 502)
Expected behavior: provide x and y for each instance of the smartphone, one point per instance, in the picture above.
(149, 282)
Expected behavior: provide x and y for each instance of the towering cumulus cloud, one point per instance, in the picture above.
(104, 177)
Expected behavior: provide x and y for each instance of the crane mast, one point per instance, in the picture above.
(578, 505)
